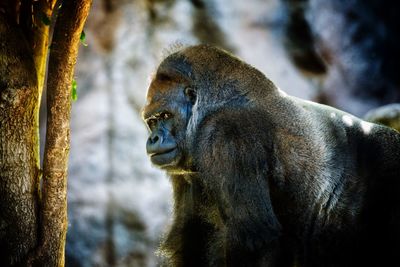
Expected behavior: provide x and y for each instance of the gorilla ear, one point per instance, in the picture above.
(191, 94)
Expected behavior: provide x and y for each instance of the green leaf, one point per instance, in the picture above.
(74, 92)
(83, 38)
(45, 19)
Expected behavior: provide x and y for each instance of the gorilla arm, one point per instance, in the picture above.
(232, 156)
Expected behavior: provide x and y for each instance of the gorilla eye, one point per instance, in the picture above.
(165, 115)
(191, 94)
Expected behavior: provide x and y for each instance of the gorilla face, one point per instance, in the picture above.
(168, 109)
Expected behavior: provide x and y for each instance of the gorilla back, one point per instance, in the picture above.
(261, 178)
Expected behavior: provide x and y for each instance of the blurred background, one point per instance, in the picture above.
(344, 53)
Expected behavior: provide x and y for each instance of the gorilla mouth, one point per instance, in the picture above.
(164, 158)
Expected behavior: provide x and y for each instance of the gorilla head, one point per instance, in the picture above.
(189, 85)
(261, 178)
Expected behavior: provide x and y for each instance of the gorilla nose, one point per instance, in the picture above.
(157, 144)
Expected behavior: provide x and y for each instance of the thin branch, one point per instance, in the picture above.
(43, 10)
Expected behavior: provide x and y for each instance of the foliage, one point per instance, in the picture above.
(74, 93)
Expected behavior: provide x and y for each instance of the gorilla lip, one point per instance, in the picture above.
(162, 152)
(164, 157)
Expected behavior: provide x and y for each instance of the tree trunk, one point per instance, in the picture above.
(19, 162)
(63, 54)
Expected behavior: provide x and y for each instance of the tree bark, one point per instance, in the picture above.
(62, 59)
(19, 163)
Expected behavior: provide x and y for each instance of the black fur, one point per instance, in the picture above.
(264, 179)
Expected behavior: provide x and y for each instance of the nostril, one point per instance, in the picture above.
(154, 139)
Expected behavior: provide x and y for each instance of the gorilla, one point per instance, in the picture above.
(261, 178)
